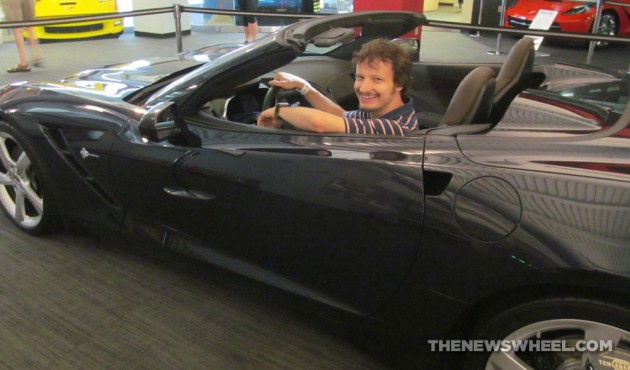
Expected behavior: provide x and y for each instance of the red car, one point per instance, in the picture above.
(573, 16)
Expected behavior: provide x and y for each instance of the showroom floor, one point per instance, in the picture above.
(69, 302)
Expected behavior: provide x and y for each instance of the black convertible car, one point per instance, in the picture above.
(506, 217)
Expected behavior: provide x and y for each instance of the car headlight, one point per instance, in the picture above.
(579, 9)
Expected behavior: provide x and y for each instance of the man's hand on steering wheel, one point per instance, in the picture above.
(287, 81)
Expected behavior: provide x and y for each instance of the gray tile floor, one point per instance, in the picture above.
(71, 302)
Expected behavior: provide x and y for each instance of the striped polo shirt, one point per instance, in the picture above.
(399, 122)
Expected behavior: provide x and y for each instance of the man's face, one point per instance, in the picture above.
(375, 87)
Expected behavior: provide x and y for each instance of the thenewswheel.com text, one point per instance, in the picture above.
(538, 345)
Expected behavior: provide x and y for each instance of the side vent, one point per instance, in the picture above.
(435, 182)
(56, 137)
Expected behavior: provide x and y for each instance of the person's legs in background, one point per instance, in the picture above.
(23, 10)
(251, 31)
(36, 52)
(19, 42)
(249, 22)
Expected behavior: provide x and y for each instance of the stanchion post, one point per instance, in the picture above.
(591, 45)
(177, 13)
(478, 33)
(501, 20)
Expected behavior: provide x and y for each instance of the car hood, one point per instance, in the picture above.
(547, 132)
(545, 111)
(564, 76)
(530, 8)
(119, 80)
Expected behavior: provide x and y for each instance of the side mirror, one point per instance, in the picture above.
(160, 122)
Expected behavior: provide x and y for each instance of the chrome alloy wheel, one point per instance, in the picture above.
(570, 332)
(20, 194)
(607, 27)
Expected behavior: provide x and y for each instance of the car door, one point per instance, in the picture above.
(338, 218)
(333, 217)
(143, 181)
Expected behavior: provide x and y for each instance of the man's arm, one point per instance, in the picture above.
(316, 99)
(303, 118)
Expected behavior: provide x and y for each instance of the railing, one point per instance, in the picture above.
(574, 36)
(177, 10)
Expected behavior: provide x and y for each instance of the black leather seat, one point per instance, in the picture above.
(512, 76)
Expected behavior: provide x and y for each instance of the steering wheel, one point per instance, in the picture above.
(275, 94)
(270, 98)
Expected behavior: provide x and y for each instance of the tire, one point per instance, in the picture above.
(608, 26)
(24, 194)
(564, 319)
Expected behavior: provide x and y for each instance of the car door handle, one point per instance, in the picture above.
(191, 194)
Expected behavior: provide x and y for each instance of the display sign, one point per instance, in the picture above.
(542, 21)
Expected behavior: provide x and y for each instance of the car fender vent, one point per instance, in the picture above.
(58, 140)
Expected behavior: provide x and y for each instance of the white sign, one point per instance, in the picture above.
(543, 20)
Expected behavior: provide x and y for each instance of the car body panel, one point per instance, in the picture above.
(573, 186)
(380, 210)
(124, 78)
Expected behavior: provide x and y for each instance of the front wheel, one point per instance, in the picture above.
(24, 195)
(608, 26)
(571, 324)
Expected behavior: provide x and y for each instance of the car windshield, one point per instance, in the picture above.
(282, 47)
(189, 83)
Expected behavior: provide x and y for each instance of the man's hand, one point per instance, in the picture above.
(267, 119)
(287, 81)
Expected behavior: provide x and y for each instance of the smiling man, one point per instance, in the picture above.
(383, 71)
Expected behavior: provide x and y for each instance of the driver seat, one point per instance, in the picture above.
(472, 101)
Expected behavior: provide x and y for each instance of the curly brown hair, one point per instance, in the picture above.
(386, 50)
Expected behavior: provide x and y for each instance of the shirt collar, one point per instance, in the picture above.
(394, 114)
(404, 109)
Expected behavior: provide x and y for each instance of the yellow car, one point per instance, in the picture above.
(80, 30)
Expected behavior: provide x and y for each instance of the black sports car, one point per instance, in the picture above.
(506, 217)
(124, 78)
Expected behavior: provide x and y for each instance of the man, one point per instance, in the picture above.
(383, 71)
(22, 10)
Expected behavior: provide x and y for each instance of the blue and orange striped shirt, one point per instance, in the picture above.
(401, 121)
